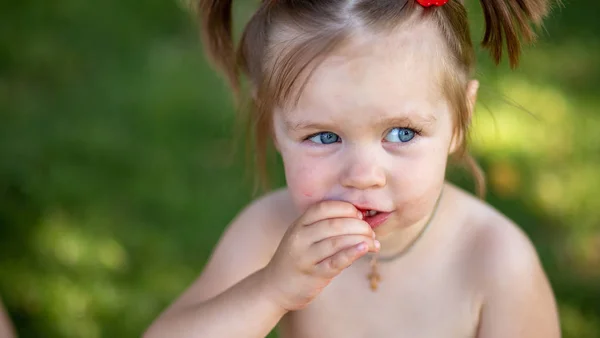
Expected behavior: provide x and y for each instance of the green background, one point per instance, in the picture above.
(116, 175)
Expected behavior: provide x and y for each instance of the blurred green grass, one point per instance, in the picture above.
(116, 177)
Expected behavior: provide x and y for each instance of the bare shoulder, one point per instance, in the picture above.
(247, 245)
(516, 297)
(497, 246)
(493, 238)
(259, 227)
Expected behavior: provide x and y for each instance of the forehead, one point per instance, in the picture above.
(375, 75)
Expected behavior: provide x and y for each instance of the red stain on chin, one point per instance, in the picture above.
(307, 194)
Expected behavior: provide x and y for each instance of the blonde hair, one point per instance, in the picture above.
(322, 25)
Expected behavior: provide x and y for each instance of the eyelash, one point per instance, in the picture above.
(417, 131)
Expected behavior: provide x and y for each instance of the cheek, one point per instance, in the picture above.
(418, 187)
(307, 180)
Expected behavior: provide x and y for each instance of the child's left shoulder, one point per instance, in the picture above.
(496, 244)
(516, 296)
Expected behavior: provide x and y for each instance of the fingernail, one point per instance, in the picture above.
(362, 246)
(377, 244)
(360, 215)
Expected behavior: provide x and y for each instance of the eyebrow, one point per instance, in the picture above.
(381, 123)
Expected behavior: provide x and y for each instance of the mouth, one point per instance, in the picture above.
(374, 217)
(369, 213)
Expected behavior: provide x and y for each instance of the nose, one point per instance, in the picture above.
(362, 172)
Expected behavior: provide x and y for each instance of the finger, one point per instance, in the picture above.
(336, 227)
(328, 247)
(332, 266)
(329, 209)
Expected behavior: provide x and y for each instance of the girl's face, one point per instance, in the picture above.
(372, 128)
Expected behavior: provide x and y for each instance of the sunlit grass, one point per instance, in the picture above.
(576, 324)
(69, 244)
(531, 121)
(543, 148)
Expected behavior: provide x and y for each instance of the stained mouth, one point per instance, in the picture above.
(374, 217)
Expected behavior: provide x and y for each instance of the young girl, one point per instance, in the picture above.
(365, 100)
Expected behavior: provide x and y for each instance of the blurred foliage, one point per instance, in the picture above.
(116, 178)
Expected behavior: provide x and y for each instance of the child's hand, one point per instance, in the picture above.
(328, 238)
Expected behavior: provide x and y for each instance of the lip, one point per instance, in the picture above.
(365, 207)
(377, 220)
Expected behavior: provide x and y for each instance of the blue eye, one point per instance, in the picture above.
(325, 138)
(400, 135)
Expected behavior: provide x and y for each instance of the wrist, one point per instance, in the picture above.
(268, 293)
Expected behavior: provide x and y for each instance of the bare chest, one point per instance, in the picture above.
(410, 302)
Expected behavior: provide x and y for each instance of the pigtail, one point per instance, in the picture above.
(511, 20)
(216, 24)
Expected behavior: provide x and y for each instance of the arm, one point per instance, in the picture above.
(241, 311)
(230, 284)
(6, 329)
(292, 270)
(518, 300)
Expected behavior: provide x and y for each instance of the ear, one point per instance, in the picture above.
(472, 90)
(471, 97)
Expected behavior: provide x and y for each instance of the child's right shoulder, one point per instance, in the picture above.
(263, 222)
(246, 246)
(257, 230)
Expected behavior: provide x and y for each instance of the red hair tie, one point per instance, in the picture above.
(429, 3)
